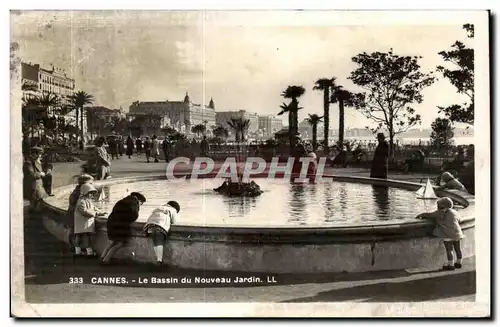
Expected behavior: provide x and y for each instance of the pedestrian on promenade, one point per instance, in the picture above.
(448, 229)
(155, 148)
(158, 227)
(73, 199)
(380, 163)
(130, 146)
(85, 214)
(204, 147)
(103, 161)
(166, 148)
(125, 212)
(138, 145)
(147, 148)
(121, 145)
(113, 147)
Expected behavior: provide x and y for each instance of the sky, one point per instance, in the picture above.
(242, 61)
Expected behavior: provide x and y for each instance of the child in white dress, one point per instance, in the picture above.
(158, 226)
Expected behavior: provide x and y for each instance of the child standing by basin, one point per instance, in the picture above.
(73, 199)
(158, 226)
(447, 228)
(85, 213)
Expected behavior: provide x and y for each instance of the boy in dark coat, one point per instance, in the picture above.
(125, 212)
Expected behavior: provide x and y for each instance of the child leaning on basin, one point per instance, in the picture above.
(450, 183)
(158, 226)
(448, 229)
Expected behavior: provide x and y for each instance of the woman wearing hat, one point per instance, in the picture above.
(103, 161)
(33, 176)
(380, 163)
(85, 213)
(448, 229)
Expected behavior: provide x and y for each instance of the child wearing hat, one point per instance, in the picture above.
(448, 229)
(158, 226)
(451, 183)
(73, 199)
(84, 224)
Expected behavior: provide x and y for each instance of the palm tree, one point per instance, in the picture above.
(313, 120)
(32, 114)
(324, 84)
(292, 92)
(221, 132)
(198, 129)
(240, 127)
(79, 100)
(344, 98)
(49, 102)
(29, 86)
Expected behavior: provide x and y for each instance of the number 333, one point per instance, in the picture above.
(76, 280)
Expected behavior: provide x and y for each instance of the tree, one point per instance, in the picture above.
(168, 131)
(325, 85)
(462, 77)
(442, 134)
(49, 102)
(292, 92)
(345, 99)
(240, 127)
(32, 115)
(221, 132)
(93, 122)
(79, 100)
(143, 124)
(392, 84)
(29, 86)
(313, 120)
(198, 129)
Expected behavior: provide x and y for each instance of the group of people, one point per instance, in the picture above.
(82, 214)
(150, 147)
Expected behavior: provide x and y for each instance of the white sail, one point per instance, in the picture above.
(101, 195)
(426, 191)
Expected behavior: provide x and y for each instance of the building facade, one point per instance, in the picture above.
(269, 125)
(53, 80)
(181, 115)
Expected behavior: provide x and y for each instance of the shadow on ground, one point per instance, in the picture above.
(424, 289)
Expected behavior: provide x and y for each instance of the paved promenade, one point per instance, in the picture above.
(50, 265)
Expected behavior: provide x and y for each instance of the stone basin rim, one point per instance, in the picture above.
(461, 197)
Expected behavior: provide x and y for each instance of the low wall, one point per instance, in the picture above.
(288, 250)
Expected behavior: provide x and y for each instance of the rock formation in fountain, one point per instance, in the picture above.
(240, 188)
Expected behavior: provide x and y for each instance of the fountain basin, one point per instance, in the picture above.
(287, 248)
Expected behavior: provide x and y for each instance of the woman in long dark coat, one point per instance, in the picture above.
(125, 212)
(380, 163)
(130, 146)
(33, 176)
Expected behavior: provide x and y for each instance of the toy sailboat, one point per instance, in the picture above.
(426, 191)
(101, 197)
